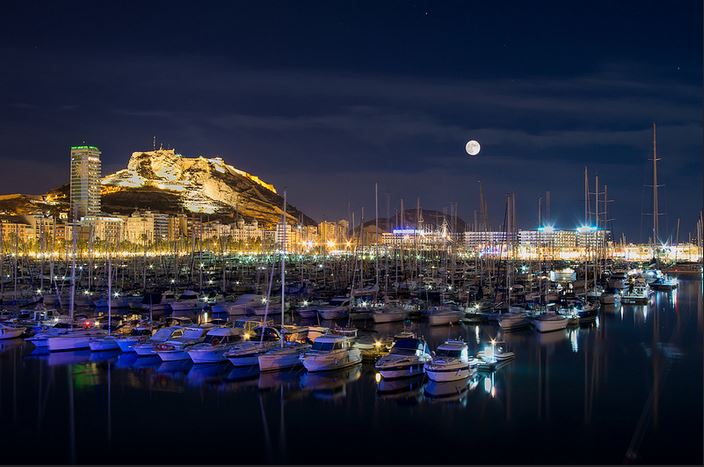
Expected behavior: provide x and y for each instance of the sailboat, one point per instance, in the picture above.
(108, 342)
(73, 340)
(288, 354)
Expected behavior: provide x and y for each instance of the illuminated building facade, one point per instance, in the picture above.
(85, 182)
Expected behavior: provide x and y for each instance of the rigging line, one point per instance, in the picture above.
(642, 203)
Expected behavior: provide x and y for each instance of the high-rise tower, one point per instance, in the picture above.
(85, 182)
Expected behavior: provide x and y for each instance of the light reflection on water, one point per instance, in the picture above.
(628, 387)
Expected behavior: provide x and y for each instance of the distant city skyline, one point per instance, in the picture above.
(324, 102)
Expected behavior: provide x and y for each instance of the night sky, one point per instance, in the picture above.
(327, 98)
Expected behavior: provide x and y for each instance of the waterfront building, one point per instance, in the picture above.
(104, 228)
(140, 228)
(84, 182)
(15, 232)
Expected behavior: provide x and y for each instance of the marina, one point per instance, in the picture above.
(493, 370)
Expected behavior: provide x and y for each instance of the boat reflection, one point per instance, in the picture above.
(150, 361)
(330, 384)
(178, 367)
(108, 355)
(241, 373)
(547, 339)
(288, 378)
(208, 373)
(125, 360)
(70, 357)
(402, 388)
(450, 391)
(9, 344)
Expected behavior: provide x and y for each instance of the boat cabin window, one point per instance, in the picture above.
(454, 353)
(326, 346)
(165, 333)
(406, 347)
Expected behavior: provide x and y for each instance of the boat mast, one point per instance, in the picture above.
(73, 267)
(283, 268)
(376, 231)
(656, 214)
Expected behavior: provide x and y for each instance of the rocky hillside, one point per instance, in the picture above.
(168, 182)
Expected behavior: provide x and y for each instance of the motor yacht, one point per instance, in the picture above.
(331, 352)
(406, 357)
(147, 347)
(217, 341)
(450, 362)
(638, 294)
(177, 348)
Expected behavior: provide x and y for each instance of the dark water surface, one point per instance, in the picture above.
(627, 389)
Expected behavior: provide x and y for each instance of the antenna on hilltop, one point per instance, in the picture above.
(154, 144)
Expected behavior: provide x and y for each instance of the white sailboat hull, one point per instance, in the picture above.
(389, 317)
(550, 325)
(331, 362)
(279, 360)
(107, 343)
(439, 319)
(68, 342)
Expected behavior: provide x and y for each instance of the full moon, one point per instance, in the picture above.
(472, 148)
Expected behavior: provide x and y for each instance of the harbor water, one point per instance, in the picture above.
(626, 389)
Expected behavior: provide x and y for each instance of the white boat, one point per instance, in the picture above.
(450, 362)
(611, 296)
(548, 322)
(511, 321)
(338, 308)
(247, 353)
(238, 307)
(444, 314)
(390, 314)
(636, 294)
(217, 342)
(406, 357)
(331, 352)
(158, 301)
(98, 344)
(177, 348)
(41, 339)
(10, 332)
(187, 301)
(116, 301)
(139, 334)
(283, 356)
(496, 353)
(73, 340)
(162, 335)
